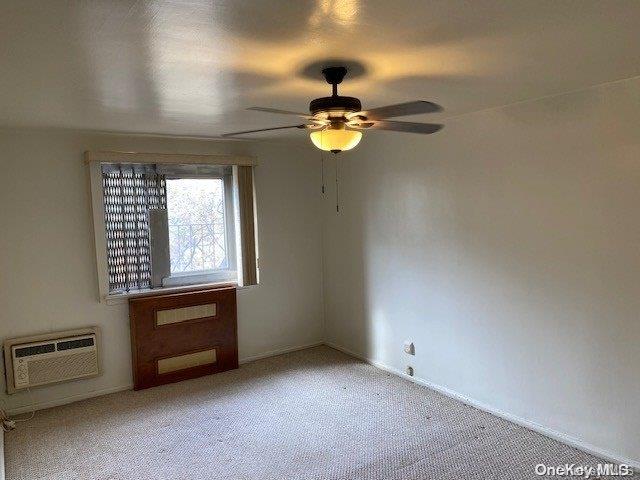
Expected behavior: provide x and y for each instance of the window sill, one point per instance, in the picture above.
(119, 298)
(200, 278)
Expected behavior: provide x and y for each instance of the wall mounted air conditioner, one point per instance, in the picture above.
(51, 358)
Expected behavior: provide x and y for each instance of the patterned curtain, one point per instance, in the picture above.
(130, 191)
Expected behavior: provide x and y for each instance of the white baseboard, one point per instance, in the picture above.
(97, 393)
(281, 351)
(559, 436)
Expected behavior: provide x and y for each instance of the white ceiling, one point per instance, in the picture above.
(192, 67)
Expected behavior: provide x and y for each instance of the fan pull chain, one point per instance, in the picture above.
(322, 162)
(335, 156)
(322, 170)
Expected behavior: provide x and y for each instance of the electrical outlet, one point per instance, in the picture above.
(409, 348)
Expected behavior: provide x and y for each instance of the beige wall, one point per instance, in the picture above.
(47, 265)
(507, 247)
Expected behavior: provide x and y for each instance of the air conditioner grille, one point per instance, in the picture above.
(63, 368)
(35, 350)
(70, 344)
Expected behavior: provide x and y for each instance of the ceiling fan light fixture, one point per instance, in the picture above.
(335, 139)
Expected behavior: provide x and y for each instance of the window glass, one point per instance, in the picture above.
(196, 218)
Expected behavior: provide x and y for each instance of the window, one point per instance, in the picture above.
(201, 229)
(197, 230)
(169, 225)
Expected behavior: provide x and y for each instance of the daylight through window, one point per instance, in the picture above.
(197, 229)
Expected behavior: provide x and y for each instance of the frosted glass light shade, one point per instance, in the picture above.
(335, 140)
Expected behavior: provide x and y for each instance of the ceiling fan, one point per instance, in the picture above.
(336, 122)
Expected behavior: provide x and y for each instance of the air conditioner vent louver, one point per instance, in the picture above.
(35, 350)
(51, 358)
(70, 344)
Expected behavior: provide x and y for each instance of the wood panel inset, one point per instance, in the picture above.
(190, 348)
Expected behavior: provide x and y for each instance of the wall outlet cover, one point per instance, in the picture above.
(409, 348)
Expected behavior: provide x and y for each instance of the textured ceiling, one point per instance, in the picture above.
(192, 67)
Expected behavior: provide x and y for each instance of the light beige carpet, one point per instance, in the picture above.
(313, 414)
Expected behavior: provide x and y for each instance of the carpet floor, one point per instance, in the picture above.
(313, 414)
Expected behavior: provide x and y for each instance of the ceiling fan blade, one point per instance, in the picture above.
(398, 110)
(409, 127)
(233, 134)
(283, 112)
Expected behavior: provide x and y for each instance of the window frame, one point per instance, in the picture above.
(93, 161)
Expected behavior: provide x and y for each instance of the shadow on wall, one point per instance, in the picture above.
(506, 248)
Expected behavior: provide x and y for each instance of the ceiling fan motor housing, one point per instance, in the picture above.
(335, 103)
